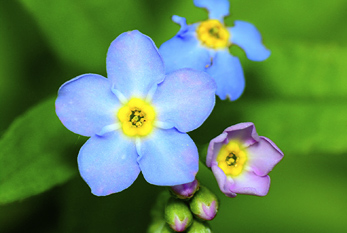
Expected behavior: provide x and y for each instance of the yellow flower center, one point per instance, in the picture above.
(231, 159)
(137, 117)
(213, 34)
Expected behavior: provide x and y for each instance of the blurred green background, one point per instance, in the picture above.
(297, 98)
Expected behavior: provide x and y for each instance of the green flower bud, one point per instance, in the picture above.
(204, 204)
(178, 215)
(199, 227)
(167, 229)
(159, 226)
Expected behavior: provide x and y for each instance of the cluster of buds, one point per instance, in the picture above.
(189, 207)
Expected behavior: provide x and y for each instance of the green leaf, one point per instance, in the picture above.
(81, 31)
(312, 20)
(300, 127)
(34, 154)
(295, 126)
(296, 98)
(313, 188)
(300, 70)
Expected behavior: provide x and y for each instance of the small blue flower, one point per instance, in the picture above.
(137, 118)
(205, 46)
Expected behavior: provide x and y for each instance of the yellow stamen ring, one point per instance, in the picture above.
(231, 159)
(137, 117)
(213, 34)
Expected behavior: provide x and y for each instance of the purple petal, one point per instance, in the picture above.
(180, 225)
(168, 157)
(247, 36)
(217, 9)
(86, 104)
(223, 182)
(185, 191)
(108, 164)
(134, 64)
(184, 51)
(250, 183)
(185, 99)
(244, 132)
(228, 74)
(214, 148)
(209, 212)
(246, 183)
(263, 156)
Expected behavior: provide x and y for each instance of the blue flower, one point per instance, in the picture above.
(137, 118)
(205, 46)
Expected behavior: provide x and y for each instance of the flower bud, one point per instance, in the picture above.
(199, 227)
(178, 215)
(204, 204)
(159, 226)
(166, 229)
(185, 191)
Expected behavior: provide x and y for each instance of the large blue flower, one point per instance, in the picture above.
(205, 46)
(137, 118)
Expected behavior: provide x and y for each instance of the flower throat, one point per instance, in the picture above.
(213, 34)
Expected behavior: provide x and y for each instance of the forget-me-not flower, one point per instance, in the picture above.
(241, 160)
(205, 46)
(137, 118)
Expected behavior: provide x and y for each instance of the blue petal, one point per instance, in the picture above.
(134, 64)
(228, 74)
(108, 164)
(185, 99)
(183, 23)
(86, 104)
(168, 157)
(217, 9)
(184, 51)
(247, 36)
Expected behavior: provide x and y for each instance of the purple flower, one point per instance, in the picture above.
(137, 118)
(240, 160)
(205, 46)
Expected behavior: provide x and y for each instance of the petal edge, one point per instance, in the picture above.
(186, 98)
(108, 163)
(133, 64)
(168, 158)
(86, 104)
(217, 9)
(247, 36)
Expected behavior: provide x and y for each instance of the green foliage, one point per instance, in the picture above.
(299, 70)
(81, 31)
(308, 20)
(33, 154)
(306, 195)
(299, 127)
(297, 98)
